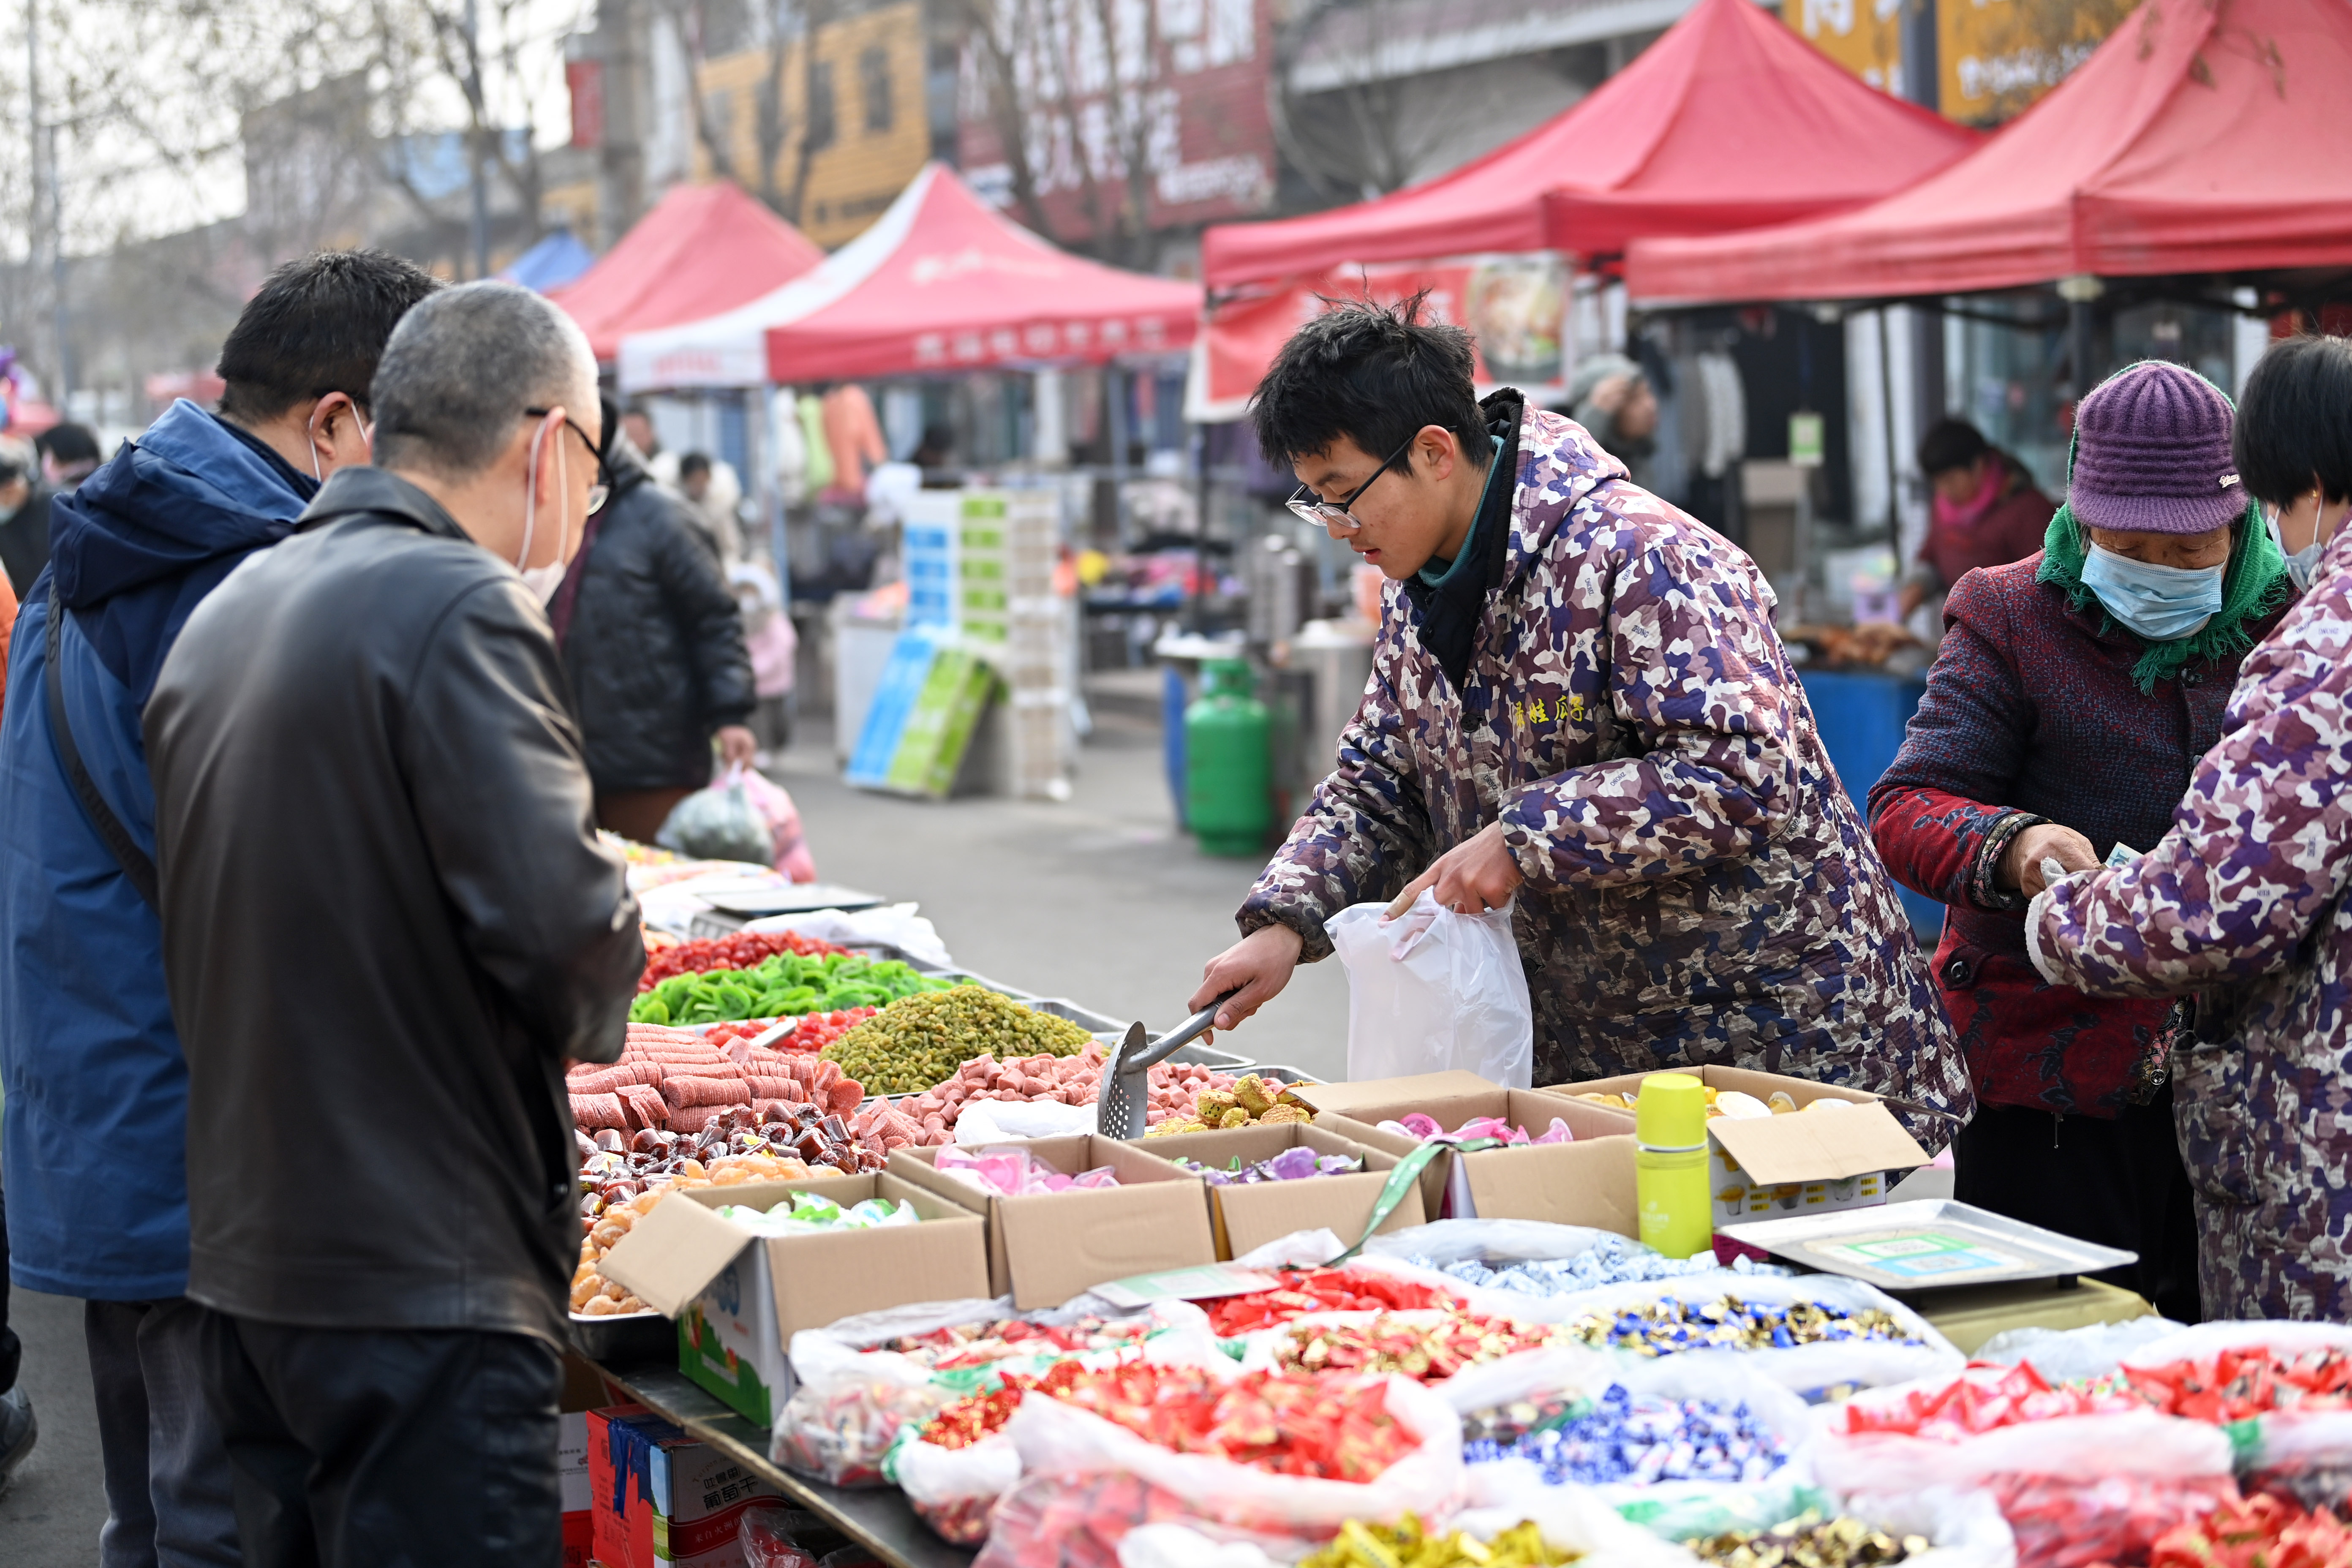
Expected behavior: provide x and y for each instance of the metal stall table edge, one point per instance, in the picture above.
(878, 1519)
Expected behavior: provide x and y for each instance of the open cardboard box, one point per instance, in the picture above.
(1810, 1162)
(1250, 1216)
(1589, 1181)
(739, 1299)
(1046, 1247)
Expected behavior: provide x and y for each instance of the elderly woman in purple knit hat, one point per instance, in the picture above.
(2074, 694)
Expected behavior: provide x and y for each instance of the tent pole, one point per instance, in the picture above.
(1887, 428)
(2081, 328)
(772, 500)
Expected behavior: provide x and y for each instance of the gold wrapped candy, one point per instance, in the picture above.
(1808, 1541)
(1406, 1545)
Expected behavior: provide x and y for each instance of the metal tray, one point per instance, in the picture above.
(801, 899)
(1934, 1244)
(625, 1337)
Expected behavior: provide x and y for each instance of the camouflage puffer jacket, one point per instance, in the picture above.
(2244, 902)
(1699, 887)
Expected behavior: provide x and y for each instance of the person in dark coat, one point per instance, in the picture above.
(2074, 692)
(24, 521)
(97, 1082)
(1984, 510)
(653, 641)
(388, 923)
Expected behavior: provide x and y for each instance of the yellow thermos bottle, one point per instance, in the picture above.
(1670, 1167)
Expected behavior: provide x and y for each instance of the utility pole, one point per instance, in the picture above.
(480, 114)
(61, 319)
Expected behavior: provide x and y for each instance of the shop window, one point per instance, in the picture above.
(873, 86)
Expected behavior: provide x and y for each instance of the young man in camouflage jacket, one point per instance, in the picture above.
(1576, 699)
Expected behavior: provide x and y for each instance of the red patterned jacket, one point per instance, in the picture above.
(2031, 716)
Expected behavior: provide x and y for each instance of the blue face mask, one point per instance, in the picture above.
(2162, 604)
(2304, 562)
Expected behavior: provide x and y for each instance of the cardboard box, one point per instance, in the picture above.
(1046, 1249)
(1589, 1181)
(1811, 1162)
(661, 1499)
(739, 1299)
(1248, 1216)
(571, 1477)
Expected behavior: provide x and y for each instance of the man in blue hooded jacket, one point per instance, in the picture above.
(93, 1147)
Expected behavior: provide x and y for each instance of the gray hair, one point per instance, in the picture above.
(463, 365)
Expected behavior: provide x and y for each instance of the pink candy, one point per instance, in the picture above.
(1416, 1125)
(1016, 1173)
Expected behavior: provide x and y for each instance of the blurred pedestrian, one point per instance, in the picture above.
(96, 1079)
(2058, 724)
(68, 454)
(1612, 398)
(713, 492)
(371, 720)
(2240, 903)
(24, 517)
(1984, 510)
(653, 643)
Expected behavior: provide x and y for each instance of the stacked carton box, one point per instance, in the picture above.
(1007, 550)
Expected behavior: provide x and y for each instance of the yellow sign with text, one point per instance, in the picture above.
(1999, 55)
(1865, 37)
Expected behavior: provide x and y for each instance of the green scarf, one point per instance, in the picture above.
(2255, 583)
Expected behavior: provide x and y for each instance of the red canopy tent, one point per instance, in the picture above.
(2203, 136)
(1728, 122)
(701, 249)
(942, 282)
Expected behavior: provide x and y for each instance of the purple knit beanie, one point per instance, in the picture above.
(2152, 453)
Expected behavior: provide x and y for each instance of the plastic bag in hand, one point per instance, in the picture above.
(718, 824)
(1432, 991)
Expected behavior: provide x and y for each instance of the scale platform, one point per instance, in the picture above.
(1934, 1244)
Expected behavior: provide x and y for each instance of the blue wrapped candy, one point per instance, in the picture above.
(1645, 1440)
(1612, 1260)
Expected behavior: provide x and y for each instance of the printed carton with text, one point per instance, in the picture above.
(1248, 1215)
(1587, 1181)
(739, 1299)
(660, 1498)
(1808, 1161)
(1045, 1248)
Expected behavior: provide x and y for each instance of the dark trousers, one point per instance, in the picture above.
(359, 1448)
(167, 1475)
(2119, 1182)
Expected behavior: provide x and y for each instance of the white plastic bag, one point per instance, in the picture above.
(721, 823)
(1434, 991)
(899, 925)
(1964, 1529)
(2069, 1355)
(951, 1489)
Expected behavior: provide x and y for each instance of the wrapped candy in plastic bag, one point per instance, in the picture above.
(765, 1535)
(1087, 1481)
(2067, 1355)
(2076, 1491)
(952, 1489)
(2283, 1391)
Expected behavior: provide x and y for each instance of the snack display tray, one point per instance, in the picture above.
(1931, 1244)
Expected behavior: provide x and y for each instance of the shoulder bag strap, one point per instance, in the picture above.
(135, 862)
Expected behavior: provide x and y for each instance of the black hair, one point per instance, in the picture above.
(2294, 422)
(1950, 444)
(938, 439)
(1374, 374)
(693, 463)
(69, 442)
(319, 325)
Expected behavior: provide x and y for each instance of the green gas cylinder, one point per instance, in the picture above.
(1228, 762)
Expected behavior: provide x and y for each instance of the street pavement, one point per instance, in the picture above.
(1098, 900)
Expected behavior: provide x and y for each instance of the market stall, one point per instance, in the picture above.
(865, 1272)
(2186, 145)
(699, 248)
(1727, 122)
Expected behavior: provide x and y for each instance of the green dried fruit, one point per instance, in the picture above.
(917, 1043)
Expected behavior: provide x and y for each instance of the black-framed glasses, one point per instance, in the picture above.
(1306, 504)
(602, 491)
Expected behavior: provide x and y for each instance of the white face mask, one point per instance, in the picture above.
(543, 580)
(2304, 562)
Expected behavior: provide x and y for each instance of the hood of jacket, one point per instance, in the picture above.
(182, 504)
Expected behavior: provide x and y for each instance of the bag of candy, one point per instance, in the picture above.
(952, 1489)
(1282, 1458)
(2076, 1490)
(1683, 1446)
(1524, 1268)
(862, 1380)
(2068, 1355)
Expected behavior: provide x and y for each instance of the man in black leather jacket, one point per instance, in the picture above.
(653, 641)
(387, 922)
